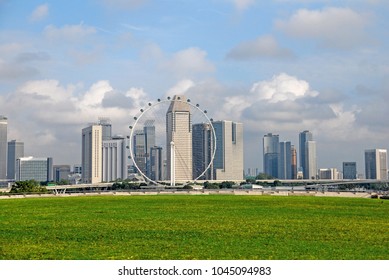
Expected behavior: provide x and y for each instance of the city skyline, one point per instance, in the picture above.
(284, 152)
(275, 66)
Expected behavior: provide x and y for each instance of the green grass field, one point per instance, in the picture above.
(194, 227)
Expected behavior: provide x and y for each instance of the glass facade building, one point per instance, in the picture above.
(350, 170)
(15, 151)
(304, 137)
(271, 151)
(38, 169)
(285, 161)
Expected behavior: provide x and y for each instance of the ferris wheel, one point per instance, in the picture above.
(172, 141)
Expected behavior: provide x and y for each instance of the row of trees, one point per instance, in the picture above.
(30, 186)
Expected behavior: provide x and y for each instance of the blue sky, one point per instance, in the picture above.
(278, 66)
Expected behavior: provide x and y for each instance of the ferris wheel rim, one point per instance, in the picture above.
(152, 105)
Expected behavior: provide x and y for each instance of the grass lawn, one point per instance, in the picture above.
(194, 227)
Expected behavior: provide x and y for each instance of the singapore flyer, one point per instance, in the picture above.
(172, 141)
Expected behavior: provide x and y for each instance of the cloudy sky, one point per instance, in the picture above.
(279, 66)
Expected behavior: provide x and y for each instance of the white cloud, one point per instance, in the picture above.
(49, 116)
(282, 88)
(331, 27)
(39, 13)
(138, 97)
(189, 61)
(94, 96)
(265, 46)
(288, 104)
(49, 90)
(68, 32)
(181, 87)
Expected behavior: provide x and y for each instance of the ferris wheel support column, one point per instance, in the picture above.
(172, 165)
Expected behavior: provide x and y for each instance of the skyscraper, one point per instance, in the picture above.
(228, 161)
(106, 128)
(92, 154)
(15, 151)
(203, 148)
(3, 147)
(294, 162)
(271, 150)
(376, 165)
(350, 170)
(285, 161)
(310, 160)
(114, 156)
(179, 133)
(304, 137)
(143, 141)
(149, 132)
(156, 164)
(139, 143)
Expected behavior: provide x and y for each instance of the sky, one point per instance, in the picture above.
(278, 67)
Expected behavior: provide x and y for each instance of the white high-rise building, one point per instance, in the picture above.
(179, 132)
(3, 147)
(15, 151)
(92, 154)
(114, 159)
(376, 164)
(228, 161)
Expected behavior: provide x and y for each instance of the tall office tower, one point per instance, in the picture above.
(179, 133)
(139, 143)
(294, 162)
(149, 132)
(285, 161)
(106, 128)
(156, 164)
(15, 151)
(114, 159)
(38, 169)
(376, 164)
(350, 170)
(271, 150)
(228, 161)
(304, 137)
(92, 154)
(61, 172)
(3, 147)
(310, 160)
(203, 147)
